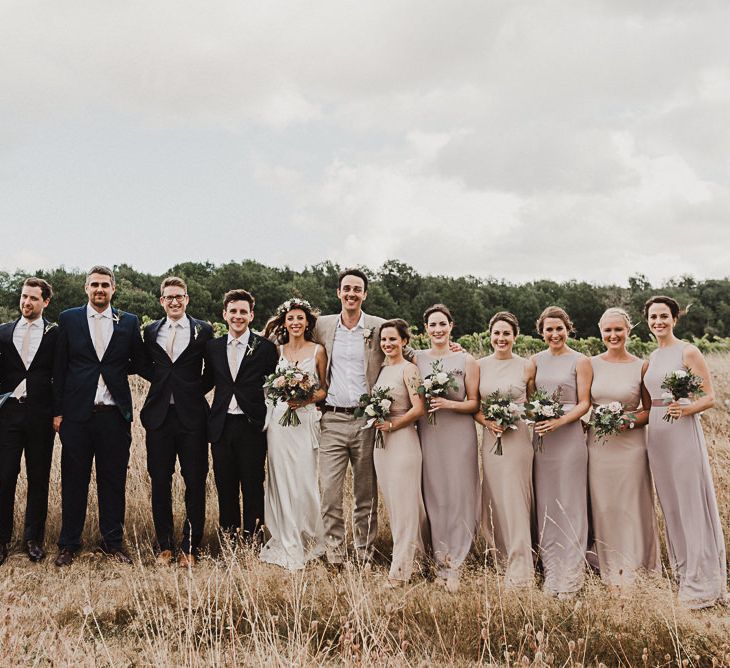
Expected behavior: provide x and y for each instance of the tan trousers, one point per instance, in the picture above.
(343, 440)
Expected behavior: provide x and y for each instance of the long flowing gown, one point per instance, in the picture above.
(561, 482)
(398, 468)
(291, 501)
(507, 497)
(450, 472)
(683, 479)
(622, 498)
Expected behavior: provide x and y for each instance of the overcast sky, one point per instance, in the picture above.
(547, 139)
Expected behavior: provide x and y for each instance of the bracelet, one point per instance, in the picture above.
(391, 426)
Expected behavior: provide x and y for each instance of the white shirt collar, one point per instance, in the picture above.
(91, 312)
(24, 322)
(360, 323)
(243, 339)
(183, 322)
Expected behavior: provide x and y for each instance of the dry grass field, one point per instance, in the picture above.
(234, 610)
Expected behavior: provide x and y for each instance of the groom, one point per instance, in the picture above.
(354, 359)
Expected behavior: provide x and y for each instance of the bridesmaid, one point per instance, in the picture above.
(622, 499)
(450, 451)
(681, 467)
(507, 497)
(561, 469)
(398, 463)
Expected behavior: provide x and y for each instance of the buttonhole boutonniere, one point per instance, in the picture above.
(367, 334)
(196, 331)
(252, 345)
(49, 327)
(116, 317)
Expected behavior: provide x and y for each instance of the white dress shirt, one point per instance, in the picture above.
(103, 395)
(242, 342)
(347, 367)
(182, 338)
(36, 335)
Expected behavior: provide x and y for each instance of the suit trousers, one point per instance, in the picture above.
(22, 429)
(168, 442)
(239, 458)
(104, 437)
(344, 440)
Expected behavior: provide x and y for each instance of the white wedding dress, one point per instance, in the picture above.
(292, 505)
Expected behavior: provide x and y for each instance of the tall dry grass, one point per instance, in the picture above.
(234, 610)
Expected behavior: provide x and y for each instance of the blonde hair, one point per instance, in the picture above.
(616, 312)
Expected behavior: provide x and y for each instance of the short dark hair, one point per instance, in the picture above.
(173, 281)
(555, 312)
(505, 316)
(352, 272)
(663, 299)
(400, 325)
(238, 295)
(437, 308)
(45, 286)
(100, 269)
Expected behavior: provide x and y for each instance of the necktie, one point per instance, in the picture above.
(170, 347)
(233, 358)
(98, 336)
(25, 347)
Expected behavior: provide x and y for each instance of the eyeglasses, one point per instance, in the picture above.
(174, 298)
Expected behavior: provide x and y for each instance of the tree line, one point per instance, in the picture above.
(396, 289)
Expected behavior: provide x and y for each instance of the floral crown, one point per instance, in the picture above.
(294, 302)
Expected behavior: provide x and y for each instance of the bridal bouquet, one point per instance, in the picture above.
(287, 383)
(609, 419)
(376, 407)
(680, 384)
(543, 406)
(501, 408)
(437, 384)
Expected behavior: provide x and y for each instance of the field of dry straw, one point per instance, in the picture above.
(234, 610)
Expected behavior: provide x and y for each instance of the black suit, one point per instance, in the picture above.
(238, 442)
(26, 426)
(90, 431)
(177, 430)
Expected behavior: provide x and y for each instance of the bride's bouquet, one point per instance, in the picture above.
(437, 384)
(680, 384)
(609, 419)
(288, 383)
(501, 408)
(376, 407)
(543, 406)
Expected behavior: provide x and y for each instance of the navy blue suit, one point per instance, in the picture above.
(89, 431)
(177, 431)
(26, 427)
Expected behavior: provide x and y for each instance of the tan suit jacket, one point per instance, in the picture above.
(324, 333)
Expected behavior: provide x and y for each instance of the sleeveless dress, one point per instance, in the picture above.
(507, 498)
(450, 472)
(681, 469)
(291, 500)
(398, 468)
(561, 482)
(622, 498)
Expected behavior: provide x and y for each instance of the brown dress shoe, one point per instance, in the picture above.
(35, 550)
(185, 560)
(164, 558)
(65, 557)
(120, 556)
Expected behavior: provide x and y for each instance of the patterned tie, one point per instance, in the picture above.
(170, 347)
(25, 347)
(233, 358)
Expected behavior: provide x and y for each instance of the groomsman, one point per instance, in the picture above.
(175, 416)
(97, 347)
(237, 365)
(351, 339)
(27, 347)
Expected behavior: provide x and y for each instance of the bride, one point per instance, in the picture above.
(292, 505)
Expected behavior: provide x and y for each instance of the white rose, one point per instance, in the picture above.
(680, 374)
(427, 383)
(442, 378)
(615, 407)
(370, 410)
(514, 408)
(385, 404)
(548, 411)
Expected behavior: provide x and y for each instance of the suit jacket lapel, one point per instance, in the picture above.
(44, 336)
(329, 341)
(115, 326)
(86, 328)
(191, 336)
(11, 344)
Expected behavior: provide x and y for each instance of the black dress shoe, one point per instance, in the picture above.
(65, 557)
(119, 555)
(35, 550)
(3, 553)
